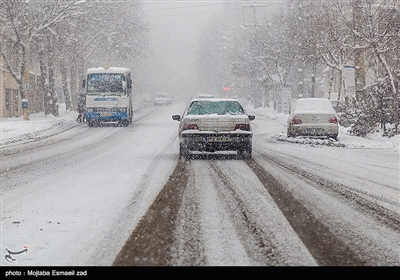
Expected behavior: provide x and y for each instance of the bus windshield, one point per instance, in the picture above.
(106, 82)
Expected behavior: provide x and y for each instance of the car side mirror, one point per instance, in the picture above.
(176, 117)
(83, 83)
(252, 117)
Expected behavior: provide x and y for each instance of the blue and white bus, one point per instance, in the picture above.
(109, 95)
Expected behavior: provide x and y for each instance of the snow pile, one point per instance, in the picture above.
(376, 140)
(16, 130)
(308, 140)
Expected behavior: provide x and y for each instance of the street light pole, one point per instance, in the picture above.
(25, 78)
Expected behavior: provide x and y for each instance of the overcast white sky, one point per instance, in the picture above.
(175, 24)
(174, 29)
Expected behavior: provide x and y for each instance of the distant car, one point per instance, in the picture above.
(215, 124)
(163, 99)
(313, 117)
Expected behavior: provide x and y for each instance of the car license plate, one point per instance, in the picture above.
(315, 130)
(217, 139)
(106, 114)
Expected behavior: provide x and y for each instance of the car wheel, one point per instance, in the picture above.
(333, 136)
(124, 123)
(183, 151)
(245, 152)
(131, 116)
(90, 123)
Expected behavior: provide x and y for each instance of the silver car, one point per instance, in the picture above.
(163, 99)
(313, 117)
(215, 124)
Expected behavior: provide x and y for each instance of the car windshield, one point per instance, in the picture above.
(100, 82)
(219, 108)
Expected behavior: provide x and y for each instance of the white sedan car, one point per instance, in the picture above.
(163, 99)
(215, 124)
(313, 117)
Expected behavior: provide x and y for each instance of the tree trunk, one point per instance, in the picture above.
(340, 87)
(73, 86)
(331, 77)
(67, 96)
(42, 82)
(53, 104)
(395, 105)
(359, 62)
(313, 74)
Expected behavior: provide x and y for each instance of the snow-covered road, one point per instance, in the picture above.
(75, 197)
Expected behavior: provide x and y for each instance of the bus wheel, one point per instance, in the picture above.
(123, 123)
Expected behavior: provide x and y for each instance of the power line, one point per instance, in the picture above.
(215, 11)
(187, 7)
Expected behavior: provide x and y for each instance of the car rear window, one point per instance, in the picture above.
(314, 106)
(219, 108)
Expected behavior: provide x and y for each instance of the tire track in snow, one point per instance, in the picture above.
(150, 242)
(188, 248)
(263, 230)
(322, 244)
(222, 246)
(367, 202)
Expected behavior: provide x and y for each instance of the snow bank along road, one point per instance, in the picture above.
(121, 196)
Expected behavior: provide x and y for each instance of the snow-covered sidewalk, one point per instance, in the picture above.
(372, 141)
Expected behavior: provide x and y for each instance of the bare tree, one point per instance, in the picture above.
(332, 44)
(267, 53)
(16, 36)
(64, 34)
(26, 24)
(375, 27)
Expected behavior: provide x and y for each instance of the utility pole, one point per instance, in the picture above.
(299, 56)
(258, 98)
(359, 62)
(25, 77)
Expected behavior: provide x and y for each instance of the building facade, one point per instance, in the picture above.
(10, 97)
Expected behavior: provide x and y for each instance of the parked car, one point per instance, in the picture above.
(163, 99)
(313, 117)
(215, 124)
